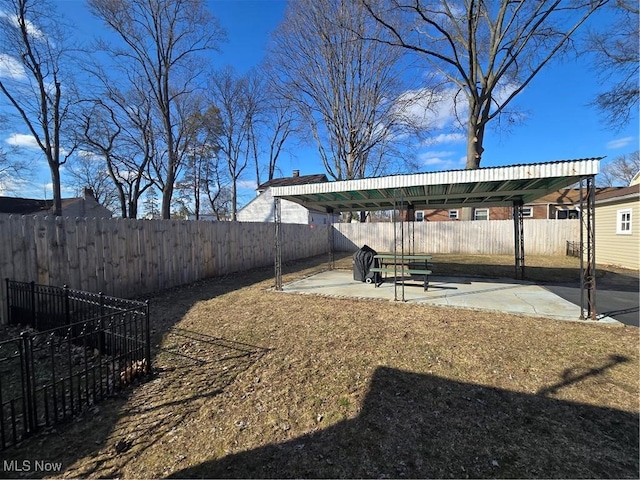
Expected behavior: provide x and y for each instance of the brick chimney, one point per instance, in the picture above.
(88, 192)
(296, 173)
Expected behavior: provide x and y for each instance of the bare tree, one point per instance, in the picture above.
(490, 49)
(620, 170)
(161, 43)
(117, 128)
(217, 191)
(279, 123)
(344, 88)
(88, 170)
(13, 170)
(150, 204)
(235, 98)
(33, 56)
(202, 159)
(616, 60)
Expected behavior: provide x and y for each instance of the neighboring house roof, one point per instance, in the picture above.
(619, 194)
(295, 180)
(34, 206)
(24, 206)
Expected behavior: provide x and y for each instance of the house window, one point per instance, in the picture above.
(419, 216)
(527, 212)
(623, 225)
(481, 214)
(453, 214)
(567, 214)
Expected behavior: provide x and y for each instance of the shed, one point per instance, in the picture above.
(260, 209)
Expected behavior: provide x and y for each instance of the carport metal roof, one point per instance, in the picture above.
(484, 187)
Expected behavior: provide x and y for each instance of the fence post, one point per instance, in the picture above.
(67, 316)
(147, 328)
(28, 398)
(8, 302)
(32, 286)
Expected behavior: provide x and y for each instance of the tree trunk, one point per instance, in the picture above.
(167, 193)
(475, 137)
(123, 201)
(57, 198)
(132, 208)
(234, 200)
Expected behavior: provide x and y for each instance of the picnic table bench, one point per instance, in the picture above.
(415, 264)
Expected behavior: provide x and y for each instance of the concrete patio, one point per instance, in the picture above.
(503, 295)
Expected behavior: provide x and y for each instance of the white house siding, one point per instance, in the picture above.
(85, 208)
(613, 248)
(260, 209)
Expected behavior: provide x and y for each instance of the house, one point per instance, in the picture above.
(260, 209)
(85, 206)
(617, 227)
(560, 205)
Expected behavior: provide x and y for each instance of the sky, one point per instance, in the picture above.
(559, 124)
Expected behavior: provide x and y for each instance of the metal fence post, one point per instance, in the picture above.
(148, 333)
(32, 286)
(8, 302)
(28, 387)
(67, 316)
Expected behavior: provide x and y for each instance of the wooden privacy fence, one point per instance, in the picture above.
(494, 237)
(127, 258)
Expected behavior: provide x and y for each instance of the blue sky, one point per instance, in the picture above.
(559, 125)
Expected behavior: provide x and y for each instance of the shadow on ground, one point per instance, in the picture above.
(423, 426)
(606, 279)
(188, 367)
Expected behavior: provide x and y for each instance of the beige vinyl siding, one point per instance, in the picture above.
(613, 248)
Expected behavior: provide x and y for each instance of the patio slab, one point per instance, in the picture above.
(503, 295)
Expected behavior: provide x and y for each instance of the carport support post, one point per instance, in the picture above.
(277, 217)
(518, 229)
(588, 246)
(330, 238)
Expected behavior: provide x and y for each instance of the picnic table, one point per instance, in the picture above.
(414, 264)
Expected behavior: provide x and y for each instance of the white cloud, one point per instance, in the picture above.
(22, 140)
(445, 108)
(11, 186)
(249, 184)
(429, 109)
(442, 160)
(91, 156)
(32, 30)
(619, 143)
(11, 68)
(445, 138)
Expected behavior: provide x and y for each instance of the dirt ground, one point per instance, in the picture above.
(249, 382)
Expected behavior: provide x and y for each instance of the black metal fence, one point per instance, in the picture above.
(93, 346)
(573, 249)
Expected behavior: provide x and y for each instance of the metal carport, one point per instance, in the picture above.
(513, 186)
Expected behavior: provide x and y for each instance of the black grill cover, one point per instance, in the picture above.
(362, 261)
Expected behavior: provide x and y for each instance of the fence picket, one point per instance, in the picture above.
(90, 239)
(72, 278)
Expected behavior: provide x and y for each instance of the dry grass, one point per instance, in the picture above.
(251, 382)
